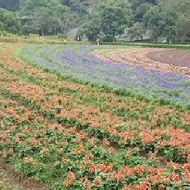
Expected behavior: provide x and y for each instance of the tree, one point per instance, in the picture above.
(140, 7)
(67, 22)
(9, 21)
(141, 10)
(109, 19)
(91, 28)
(66, 2)
(152, 22)
(44, 21)
(183, 24)
(28, 7)
(168, 24)
(114, 18)
(1, 28)
(81, 7)
(161, 22)
(183, 16)
(136, 31)
(44, 15)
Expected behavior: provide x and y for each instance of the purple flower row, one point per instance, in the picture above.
(77, 62)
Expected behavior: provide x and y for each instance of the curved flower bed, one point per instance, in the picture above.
(149, 58)
(76, 61)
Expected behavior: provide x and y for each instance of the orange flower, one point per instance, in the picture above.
(71, 176)
(188, 158)
(66, 184)
(91, 170)
(86, 183)
(102, 167)
(176, 177)
(34, 163)
(44, 151)
(69, 179)
(144, 186)
(147, 137)
(161, 187)
(110, 150)
(105, 142)
(119, 176)
(109, 167)
(186, 175)
(11, 151)
(89, 156)
(64, 160)
(26, 160)
(98, 180)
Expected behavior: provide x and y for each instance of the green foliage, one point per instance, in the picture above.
(81, 7)
(136, 31)
(161, 23)
(91, 28)
(140, 7)
(141, 10)
(110, 20)
(183, 16)
(1, 27)
(67, 22)
(166, 20)
(41, 16)
(9, 22)
(114, 19)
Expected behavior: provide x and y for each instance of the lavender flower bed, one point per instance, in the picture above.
(77, 62)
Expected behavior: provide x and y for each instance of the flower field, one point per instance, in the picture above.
(158, 59)
(86, 121)
(89, 67)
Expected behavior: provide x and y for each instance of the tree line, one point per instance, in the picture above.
(107, 20)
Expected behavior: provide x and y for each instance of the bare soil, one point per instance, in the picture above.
(180, 58)
(9, 180)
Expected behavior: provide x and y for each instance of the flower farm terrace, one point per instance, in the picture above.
(100, 118)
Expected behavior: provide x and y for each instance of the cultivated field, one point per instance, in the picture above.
(90, 117)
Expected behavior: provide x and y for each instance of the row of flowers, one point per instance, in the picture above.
(78, 63)
(75, 136)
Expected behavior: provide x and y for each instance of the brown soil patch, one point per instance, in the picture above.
(139, 57)
(177, 57)
(11, 180)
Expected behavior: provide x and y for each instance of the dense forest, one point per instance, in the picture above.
(107, 20)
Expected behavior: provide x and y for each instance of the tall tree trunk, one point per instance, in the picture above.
(168, 40)
(65, 36)
(90, 7)
(114, 40)
(183, 37)
(42, 32)
(155, 40)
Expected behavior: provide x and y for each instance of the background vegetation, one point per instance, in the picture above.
(152, 20)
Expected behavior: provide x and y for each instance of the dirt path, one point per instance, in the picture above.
(9, 180)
